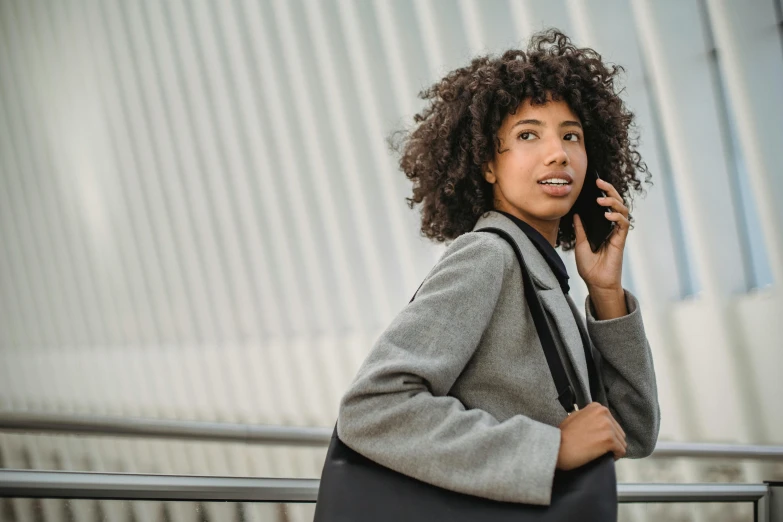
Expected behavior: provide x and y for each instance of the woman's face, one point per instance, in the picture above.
(541, 168)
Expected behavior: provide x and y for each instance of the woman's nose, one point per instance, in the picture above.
(556, 153)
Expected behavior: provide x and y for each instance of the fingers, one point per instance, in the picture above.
(622, 226)
(613, 199)
(608, 188)
(617, 426)
(589, 433)
(618, 450)
(596, 408)
(612, 421)
(620, 214)
(620, 445)
(617, 442)
(615, 204)
(622, 221)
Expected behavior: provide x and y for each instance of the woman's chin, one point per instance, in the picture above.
(554, 211)
(554, 214)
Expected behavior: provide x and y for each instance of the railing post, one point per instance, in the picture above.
(773, 503)
(761, 509)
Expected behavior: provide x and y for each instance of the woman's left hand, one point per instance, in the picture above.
(602, 271)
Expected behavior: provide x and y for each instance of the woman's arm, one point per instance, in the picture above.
(615, 326)
(629, 376)
(397, 411)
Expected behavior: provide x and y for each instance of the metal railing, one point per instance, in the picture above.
(132, 486)
(767, 498)
(292, 436)
(159, 428)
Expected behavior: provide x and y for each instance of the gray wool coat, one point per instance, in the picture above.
(456, 392)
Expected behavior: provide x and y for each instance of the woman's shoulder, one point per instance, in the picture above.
(473, 267)
(486, 249)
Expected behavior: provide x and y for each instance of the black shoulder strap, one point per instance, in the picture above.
(566, 395)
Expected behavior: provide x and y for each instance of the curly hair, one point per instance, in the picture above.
(456, 133)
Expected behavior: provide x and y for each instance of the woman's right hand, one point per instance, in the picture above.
(587, 434)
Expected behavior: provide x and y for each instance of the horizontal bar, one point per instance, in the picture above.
(717, 451)
(292, 436)
(128, 486)
(719, 492)
(131, 486)
(159, 428)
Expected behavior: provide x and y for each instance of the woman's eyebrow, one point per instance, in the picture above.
(567, 123)
(529, 122)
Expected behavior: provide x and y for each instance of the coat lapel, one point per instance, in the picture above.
(599, 385)
(555, 304)
(548, 289)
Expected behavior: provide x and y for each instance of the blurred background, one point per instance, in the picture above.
(200, 220)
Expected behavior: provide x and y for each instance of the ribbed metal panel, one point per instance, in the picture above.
(199, 217)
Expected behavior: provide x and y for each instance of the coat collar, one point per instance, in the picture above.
(536, 264)
(549, 292)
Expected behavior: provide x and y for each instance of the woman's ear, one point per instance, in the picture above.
(489, 175)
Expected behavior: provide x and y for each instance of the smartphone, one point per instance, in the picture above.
(597, 227)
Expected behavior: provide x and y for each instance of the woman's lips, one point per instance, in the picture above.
(556, 190)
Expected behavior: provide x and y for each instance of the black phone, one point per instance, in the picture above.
(597, 227)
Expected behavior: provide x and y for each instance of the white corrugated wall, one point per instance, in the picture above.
(200, 219)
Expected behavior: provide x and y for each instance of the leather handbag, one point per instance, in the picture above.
(353, 488)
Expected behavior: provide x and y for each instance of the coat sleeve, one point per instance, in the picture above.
(398, 413)
(628, 375)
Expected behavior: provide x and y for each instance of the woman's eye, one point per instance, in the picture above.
(571, 137)
(526, 136)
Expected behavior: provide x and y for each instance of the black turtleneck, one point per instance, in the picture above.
(547, 250)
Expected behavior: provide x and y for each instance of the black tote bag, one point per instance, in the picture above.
(353, 488)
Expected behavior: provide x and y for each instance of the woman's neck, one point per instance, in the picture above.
(547, 228)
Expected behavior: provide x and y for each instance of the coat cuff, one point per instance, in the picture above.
(536, 488)
(617, 333)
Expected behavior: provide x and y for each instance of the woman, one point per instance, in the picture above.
(456, 392)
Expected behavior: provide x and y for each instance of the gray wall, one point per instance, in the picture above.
(199, 217)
